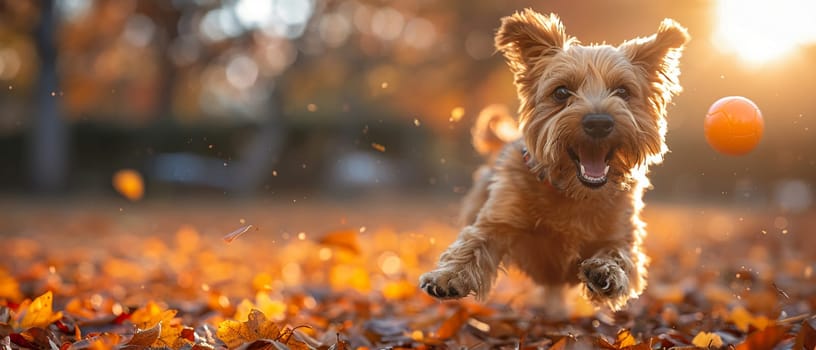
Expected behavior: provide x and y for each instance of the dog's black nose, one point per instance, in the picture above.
(598, 125)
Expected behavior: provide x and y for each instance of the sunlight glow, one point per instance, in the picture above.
(760, 31)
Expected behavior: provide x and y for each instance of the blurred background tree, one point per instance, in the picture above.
(253, 97)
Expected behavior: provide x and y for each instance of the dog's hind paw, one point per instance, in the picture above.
(444, 284)
(605, 281)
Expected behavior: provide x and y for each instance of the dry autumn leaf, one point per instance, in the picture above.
(624, 339)
(147, 337)
(764, 339)
(39, 313)
(707, 340)
(451, 326)
(234, 333)
(744, 319)
(806, 339)
(151, 315)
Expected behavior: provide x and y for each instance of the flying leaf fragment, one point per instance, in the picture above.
(129, 184)
(237, 233)
(40, 312)
(378, 147)
(707, 340)
(456, 114)
(346, 239)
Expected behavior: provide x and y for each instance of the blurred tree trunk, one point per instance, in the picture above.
(48, 137)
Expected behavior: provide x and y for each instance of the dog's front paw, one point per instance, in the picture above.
(605, 281)
(445, 284)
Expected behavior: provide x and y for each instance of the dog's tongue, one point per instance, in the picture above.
(594, 162)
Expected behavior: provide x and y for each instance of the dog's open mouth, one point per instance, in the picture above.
(592, 164)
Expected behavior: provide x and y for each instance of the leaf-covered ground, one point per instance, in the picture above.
(311, 274)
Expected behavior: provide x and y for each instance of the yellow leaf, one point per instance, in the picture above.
(743, 319)
(151, 315)
(625, 339)
(707, 340)
(234, 333)
(40, 312)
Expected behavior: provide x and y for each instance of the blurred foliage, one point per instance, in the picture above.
(151, 73)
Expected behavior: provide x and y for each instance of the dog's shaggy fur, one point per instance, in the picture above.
(563, 201)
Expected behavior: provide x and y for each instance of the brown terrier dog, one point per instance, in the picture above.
(563, 202)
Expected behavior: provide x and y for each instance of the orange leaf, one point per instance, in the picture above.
(624, 339)
(234, 333)
(764, 339)
(806, 339)
(560, 345)
(451, 326)
(707, 340)
(146, 337)
(152, 315)
(743, 319)
(40, 312)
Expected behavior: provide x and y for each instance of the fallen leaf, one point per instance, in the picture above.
(806, 339)
(234, 333)
(707, 340)
(152, 315)
(39, 313)
(624, 339)
(560, 345)
(764, 339)
(743, 319)
(146, 337)
(451, 326)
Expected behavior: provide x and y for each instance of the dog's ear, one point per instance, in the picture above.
(659, 54)
(526, 37)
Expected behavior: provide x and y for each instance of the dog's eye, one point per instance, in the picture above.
(561, 94)
(622, 92)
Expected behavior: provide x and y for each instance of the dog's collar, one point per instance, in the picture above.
(532, 164)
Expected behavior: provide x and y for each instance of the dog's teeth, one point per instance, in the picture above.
(606, 170)
(583, 170)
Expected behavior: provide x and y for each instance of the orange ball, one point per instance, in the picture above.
(733, 125)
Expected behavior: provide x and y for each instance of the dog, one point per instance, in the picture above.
(563, 201)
